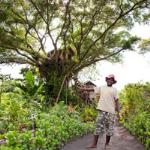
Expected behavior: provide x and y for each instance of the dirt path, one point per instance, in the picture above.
(122, 140)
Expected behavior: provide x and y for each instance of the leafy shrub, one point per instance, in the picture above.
(26, 123)
(135, 100)
(53, 128)
(88, 114)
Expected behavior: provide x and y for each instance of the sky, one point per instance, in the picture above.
(133, 68)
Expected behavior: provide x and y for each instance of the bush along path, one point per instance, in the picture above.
(135, 112)
(122, 140)
(52, 130)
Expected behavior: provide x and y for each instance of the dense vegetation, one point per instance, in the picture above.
(28, 122)
(135, 100)
(58, 39)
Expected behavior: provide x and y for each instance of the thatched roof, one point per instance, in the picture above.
(89, 83)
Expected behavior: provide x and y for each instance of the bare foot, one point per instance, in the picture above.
(107, 147)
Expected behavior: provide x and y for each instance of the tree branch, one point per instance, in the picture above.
(67, 12)
(23, 49)
(17, 50)
(24, 55)
(121, 15)
(38, 10)
(49, 19)
(40, 40)
(94, 60)
(14, 60)
(27, 29)
(62, 84)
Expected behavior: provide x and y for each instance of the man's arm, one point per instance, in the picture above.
(117, 109)
(97, 97)
(117, 105)
(86, 89)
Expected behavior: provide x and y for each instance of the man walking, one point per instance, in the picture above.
(107, 108)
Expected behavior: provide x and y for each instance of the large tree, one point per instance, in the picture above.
(96, 29)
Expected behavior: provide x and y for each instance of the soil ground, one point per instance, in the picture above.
(122, 140)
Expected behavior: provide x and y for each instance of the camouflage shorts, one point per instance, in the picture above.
(105, 123)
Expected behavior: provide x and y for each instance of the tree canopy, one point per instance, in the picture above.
(97, 30)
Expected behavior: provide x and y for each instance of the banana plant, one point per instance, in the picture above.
(31, 87)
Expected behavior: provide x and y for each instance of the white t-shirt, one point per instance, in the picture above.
(108, 95)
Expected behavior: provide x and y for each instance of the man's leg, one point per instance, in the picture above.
(95, 140)
(107, 139)
(107, 146)
(99, 129)
(109, 128)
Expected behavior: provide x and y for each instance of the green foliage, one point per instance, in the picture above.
(89, 113)
(28, 127)
(144, 45)
(52, 87)
(12, 110)
(31, 87)
(69, 96)
(140, 126)
(135, 100)
(87, 25)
